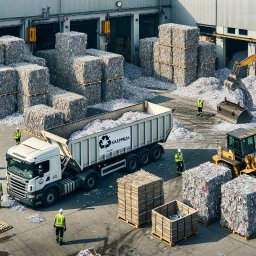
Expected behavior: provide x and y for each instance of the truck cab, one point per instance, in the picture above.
(31, 166)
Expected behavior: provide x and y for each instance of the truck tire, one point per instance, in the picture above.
(132, 163)
(144, 157)
(50, 197)
(156, 152)
(91, 182)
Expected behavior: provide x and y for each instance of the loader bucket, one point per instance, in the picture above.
(233, 113)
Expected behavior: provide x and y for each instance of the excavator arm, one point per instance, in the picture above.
(243, 63)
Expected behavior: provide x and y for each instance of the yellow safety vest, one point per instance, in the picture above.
(200, 103)
(60, 220)
(17, 135)
(178, 157)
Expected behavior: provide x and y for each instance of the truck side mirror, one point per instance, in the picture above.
(41, 173)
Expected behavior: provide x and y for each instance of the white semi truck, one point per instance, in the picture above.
(41, 172)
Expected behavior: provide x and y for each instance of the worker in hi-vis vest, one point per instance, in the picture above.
(179, 162)
(17, 136)
(60, 226)
(200, 105)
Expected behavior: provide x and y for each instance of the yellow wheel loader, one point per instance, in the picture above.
(239, 155)
(230, 111)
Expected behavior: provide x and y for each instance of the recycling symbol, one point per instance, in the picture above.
(105, 142)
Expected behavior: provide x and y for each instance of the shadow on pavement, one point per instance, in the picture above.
(84, 241)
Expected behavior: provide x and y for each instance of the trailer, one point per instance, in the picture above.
(41, 172)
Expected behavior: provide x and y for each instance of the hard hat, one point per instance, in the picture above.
(61, 210)
(40, 166)
(179, 150)
(17, 128)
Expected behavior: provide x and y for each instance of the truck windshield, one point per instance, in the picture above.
(21, 169)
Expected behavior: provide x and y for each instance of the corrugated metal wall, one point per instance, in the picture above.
(237, 14)
(191, 12)
(27, 8)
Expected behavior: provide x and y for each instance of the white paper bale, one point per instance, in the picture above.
(70, 44)
(8, 80)
(206, 70)
(71, 104)
(33, 79)
(238, 204)
(112, 63)
(112, 89)
(165, 33)
(202, 189)
(51, 59)
(206, 52)
(184, 57)
(185, 36)
(13, 49)
(42, 117)
(26, 101)
(86, 69)
(1, 54)
(7, 105)
(34, 60)
(146, 50)
(184, 76)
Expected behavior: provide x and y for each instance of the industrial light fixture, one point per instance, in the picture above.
(119, 4)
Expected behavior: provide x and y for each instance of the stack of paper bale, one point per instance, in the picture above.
(85, 78)
(50, 57)
(138, 194)
(163, 54)
(206, 59)
(42, 117)
(13, 48)
(185, 41)
(33, 81)
(29, 58)
(112, 74)
(8, 90)
(68, 45)
(202, 189)
(71, 104)
(146, 55)
(238, 204)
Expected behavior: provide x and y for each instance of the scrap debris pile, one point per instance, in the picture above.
(177, 56)
(35, 218)
(238, 205)
(101, 125)
(88, 252)
(202, 189)
(138, 194)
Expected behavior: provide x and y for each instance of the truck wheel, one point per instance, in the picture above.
(91, 182)
(132, 163)
(50, 197)
(144, 157)
(156, 152)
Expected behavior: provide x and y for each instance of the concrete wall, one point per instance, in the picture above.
(30, 8)
(192, 12)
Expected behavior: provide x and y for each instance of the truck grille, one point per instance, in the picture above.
(17, 187)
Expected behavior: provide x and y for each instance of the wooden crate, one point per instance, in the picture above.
(178, 230)
(138, 194)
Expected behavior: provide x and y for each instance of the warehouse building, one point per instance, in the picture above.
(230, 23)
(127, 22)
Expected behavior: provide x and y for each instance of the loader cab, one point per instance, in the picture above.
(241, 142)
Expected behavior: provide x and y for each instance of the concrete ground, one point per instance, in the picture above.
(92, 217)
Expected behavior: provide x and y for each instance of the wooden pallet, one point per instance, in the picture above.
(4, 227)
(131, 223)
(172, 243)
(238, 234)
